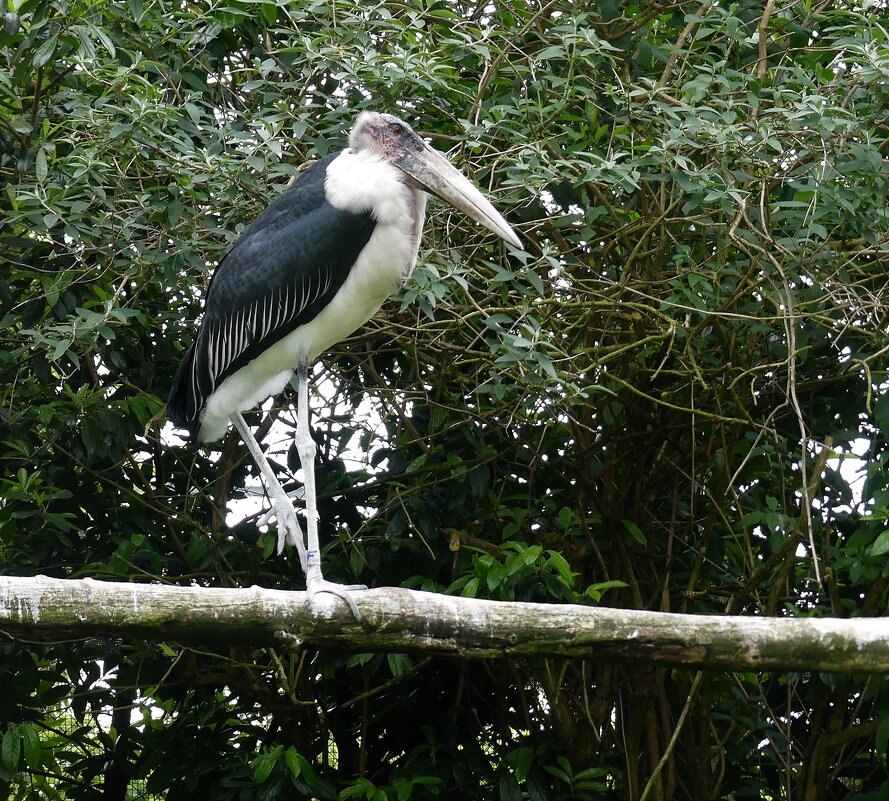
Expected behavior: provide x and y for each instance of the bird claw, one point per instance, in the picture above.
(289, 533)
(318, 585)
(287, 523)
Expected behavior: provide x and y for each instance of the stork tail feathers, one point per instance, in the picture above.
(180, 402)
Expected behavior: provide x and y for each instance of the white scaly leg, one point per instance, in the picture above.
(306, 448)
(289, 530)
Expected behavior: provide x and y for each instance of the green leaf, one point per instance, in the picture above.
(269, 12)
(399, 663)
(11, 23)
(534, 280)
(881, 544)
(495, 576)
(60, 349)
(40, 166)
(264, 764)
(360, 788)
(92, 437)
(11, 748)
(417, 463)
(294, 761)
(524, 759)
(559, 774)
(44, 52)
(106, 40)
(595, 591)
(403, 788)
(634, 531)
(563, 569)
(32, 748)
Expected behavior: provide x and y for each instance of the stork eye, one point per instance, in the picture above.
(396, 128)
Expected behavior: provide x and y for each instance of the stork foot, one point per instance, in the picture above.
(316, 584)
(289, 530)
(342, 591)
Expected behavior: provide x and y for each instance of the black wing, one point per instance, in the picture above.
(280, 274)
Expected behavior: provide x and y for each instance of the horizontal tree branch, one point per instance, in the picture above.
(396, 619)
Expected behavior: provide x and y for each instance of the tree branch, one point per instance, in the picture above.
(396, 619)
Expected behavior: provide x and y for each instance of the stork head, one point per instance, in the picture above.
(395, 141)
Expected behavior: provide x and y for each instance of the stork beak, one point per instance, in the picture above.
(439, 177)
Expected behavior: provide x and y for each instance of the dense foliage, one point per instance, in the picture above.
(653, 407)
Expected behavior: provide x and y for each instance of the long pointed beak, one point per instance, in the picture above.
(439, 177)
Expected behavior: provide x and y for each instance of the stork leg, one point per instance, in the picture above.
(289, 530)
(306, 448)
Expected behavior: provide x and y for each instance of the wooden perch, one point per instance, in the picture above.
(44, 608)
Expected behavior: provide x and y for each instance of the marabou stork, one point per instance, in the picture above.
(313, 267)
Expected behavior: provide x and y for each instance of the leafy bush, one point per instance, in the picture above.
(656, 406)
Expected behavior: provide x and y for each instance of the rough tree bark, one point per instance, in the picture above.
(405, 620)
